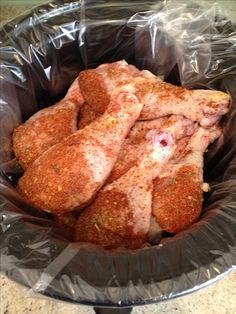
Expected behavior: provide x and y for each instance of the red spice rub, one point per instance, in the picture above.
(106, 223)
(98, 84)
(86, 116)
(43, 130)
(177, 201)
(54, 179)
(94, 90)
(47, 127)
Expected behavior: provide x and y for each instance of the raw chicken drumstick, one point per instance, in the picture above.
(68, 175)
(120, 216)
(47, 127)
(136, 143)
(177, 195)
(158, 98)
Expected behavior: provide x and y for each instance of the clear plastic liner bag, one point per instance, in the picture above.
(188, 43)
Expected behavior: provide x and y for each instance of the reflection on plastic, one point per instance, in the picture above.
(41, 53)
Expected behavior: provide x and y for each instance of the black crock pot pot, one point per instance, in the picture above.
(41, 53)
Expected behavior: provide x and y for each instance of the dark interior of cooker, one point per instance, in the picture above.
(31, 244)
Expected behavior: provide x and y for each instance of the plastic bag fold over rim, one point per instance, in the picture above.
(42, 52)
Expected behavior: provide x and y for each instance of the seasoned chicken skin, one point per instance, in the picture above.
(98, 84)
(47, 127)
(177, 195)
(159, 98)
(137, 142)
(120, 216)
(87, 115)
(69, 174)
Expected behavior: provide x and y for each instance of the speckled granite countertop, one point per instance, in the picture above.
(218, 298)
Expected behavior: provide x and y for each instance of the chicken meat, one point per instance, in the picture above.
(132, 169)
(159, 98)
(137, 142)
(87, 115)
(97, 84)
(47, 127)
(69, 174)
(121, 214)
(178, 191)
